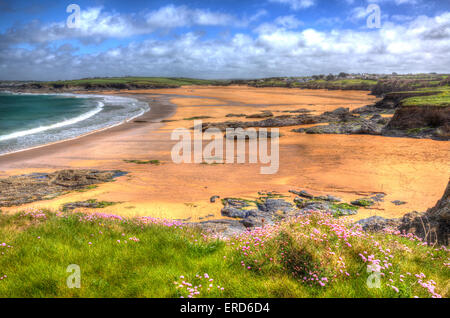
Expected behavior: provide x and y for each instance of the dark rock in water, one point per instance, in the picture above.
(363, 202)
(398, 202)
(302, 193)
(18, 190)
(213, 198)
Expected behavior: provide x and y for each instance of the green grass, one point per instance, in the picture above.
(138, 81)
(441, 99)
(102, 204)
(275, 259)
(87, 188)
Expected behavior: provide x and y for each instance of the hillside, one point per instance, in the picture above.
(314, 255)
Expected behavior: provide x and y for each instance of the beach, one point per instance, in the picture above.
(348, 166)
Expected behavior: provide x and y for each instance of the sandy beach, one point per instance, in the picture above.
(348, 166)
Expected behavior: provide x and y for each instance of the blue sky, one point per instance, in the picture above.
(221, 39)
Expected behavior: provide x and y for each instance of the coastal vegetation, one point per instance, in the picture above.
(315, 255)
(132, 81)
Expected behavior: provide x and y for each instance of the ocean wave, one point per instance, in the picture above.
(110, 111)
(56, 125)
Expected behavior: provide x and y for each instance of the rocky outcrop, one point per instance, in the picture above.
(433, 226)
(357, 127)
(340, 114)
(422, 121)
(263, 114)
(272, 207)
(17, 190)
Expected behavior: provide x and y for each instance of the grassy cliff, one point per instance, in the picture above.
(309, 256)
(119, 83)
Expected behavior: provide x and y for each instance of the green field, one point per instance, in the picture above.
(309, 256)
(138, 81)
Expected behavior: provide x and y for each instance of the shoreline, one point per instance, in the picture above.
(341, 165)
(160, 108)
(77, 95)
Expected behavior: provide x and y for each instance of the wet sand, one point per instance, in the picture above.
(415, 171)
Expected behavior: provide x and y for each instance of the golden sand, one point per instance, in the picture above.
(411, 170)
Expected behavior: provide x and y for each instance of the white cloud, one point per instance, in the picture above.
(421, 45)
(288, 22)
(96, 24)
(283, 22)
(296, 4)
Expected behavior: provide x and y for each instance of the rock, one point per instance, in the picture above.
(224, 228)
(379, 197)
(80, 178)
(341, 111)
(333, 198)
(302, 193)
(377, 223)
(357, 127)
(235, 115)
(213, 198)
(316, 206)
(433, 226)
(252, 221)
(263, 114)
(90, 204)
(363, 202)
(276, 205)
(398, 202)
(376, 117)
(301, 110)
(237, 213)
(17, 190)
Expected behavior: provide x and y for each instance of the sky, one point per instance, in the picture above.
(221, 39)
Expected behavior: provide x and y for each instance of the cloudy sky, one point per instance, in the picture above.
(221, 38)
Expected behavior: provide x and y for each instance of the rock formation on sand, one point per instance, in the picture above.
(17, 190)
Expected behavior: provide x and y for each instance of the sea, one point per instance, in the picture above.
(32, 120)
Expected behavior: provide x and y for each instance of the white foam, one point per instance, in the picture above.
(56, 125)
